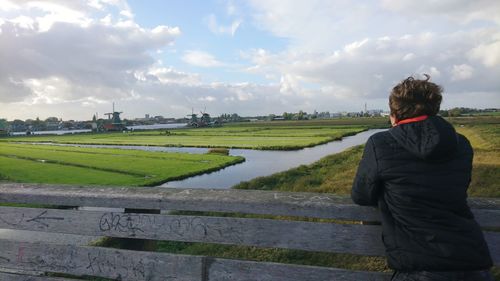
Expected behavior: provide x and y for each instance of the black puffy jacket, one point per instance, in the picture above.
(418, 174)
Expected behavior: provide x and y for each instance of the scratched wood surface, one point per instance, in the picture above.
(230, 270)
(100, 262)
(218, 200)
(323, 237)
(326, 237)
(17, 277)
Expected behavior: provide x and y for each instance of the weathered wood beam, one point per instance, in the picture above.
(230, 270)
(100, 262)
(316, 205)
(18, 277)
(310, 236)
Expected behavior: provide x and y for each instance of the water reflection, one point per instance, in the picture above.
(264, 162)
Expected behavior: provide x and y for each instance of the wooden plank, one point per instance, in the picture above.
(218, 200)
(100, 262)
(493, 240)
(325, 237)
(318, 205)
(230, 270)
(17, 277)
(487, 218)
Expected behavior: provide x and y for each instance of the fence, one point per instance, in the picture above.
(25, 260)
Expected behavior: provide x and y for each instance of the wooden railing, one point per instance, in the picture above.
(25, 260)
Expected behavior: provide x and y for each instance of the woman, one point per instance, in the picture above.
(418, 173)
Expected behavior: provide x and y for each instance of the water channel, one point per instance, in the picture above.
(260, 163)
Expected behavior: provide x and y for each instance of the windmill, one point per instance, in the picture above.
(193, 122)
(205, 118)
(114, 123)
(203, 121)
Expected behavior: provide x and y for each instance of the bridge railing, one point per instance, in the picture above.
(344, 235)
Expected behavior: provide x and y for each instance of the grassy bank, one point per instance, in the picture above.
(99, 166)
(486, 170)
(335, 174)
(258, 136)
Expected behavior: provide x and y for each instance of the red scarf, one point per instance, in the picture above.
(411, 120)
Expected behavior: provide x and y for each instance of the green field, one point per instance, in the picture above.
(252, 136)
(21, 161)
(102, 166)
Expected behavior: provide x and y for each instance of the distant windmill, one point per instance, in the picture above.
(205, 117)
(203, 121)
(114, 121)
(114, 116)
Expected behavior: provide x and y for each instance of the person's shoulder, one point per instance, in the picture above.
(463, 142)
(379, 137)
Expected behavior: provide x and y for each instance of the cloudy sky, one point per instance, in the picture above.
(70, 58)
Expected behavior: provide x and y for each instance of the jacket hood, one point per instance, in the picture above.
(432, 139)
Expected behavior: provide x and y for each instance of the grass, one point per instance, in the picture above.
(347, 261)
(251, 137)
(335, 174)
(100, 166)
(486, 170)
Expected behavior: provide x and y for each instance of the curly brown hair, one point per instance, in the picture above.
(413, 97)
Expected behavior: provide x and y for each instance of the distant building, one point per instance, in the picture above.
(4, 127)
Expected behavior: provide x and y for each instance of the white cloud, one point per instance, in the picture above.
(343, 49)
(314, 24)
(6, 5)
(409, 57)
(461, 72)
(201, 59)
(289, 85)
(231, 8)
(170, 75)
(487, 53)
(127, 13)
(434, 72)
(49, 90)
(356, 67)
(54, 58)
(207, 99)
(216, 28)
(462, 11)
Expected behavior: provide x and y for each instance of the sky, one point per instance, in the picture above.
(74, 58)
